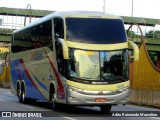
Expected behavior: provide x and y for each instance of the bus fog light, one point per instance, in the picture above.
(71, 98)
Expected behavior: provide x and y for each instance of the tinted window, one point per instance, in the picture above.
(104, 66)
(95, 30)
(58, 28)
(34, 37)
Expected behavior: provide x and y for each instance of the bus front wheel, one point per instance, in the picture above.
(52, 98)
(105, 108)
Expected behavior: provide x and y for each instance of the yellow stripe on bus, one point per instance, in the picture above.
(97, 46)
(92, 87)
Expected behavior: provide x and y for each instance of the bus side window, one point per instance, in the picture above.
(58, 28)
(60, 60)
(42, 35)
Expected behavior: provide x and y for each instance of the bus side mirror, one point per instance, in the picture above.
(64, 47)
(135, 48)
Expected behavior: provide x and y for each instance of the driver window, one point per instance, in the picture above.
(60, 60)
(58, 28)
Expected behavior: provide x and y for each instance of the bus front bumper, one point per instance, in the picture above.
(78, 97)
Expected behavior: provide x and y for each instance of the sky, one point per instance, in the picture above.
(141, 8)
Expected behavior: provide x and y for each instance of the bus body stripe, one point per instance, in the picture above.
(19, 74)
(60, 85)
(40, 83)
(26, 71)
(28, 75)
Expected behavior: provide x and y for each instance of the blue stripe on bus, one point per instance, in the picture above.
(31, 89)
(40, 83)
(14, 73)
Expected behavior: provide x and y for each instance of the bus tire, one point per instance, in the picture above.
(105, 108)
(19, 93)
(23, 96)
(52, 98)
(55, 106)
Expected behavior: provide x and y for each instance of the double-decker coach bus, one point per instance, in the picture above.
(74, 58)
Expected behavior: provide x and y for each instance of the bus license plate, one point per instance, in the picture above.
(101, 100)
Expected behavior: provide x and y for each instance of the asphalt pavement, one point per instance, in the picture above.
(11, 109)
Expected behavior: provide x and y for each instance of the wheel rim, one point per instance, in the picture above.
(53, 97)
(23, 96)
(19, 92)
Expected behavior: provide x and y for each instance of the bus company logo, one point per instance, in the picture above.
(36, 55)
(100, 93)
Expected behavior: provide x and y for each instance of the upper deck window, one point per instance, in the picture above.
(95, 30)
(33, 37)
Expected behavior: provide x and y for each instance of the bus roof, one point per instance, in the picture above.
(78, 14)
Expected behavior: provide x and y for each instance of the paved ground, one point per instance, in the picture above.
(9, 102)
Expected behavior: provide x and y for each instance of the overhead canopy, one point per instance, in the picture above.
(23, 12)
(41, 13)
(140, 21)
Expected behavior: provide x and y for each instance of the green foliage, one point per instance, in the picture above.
(153, 34)
(6, 31)
(132, 34)
(3, 55)
(153, 56)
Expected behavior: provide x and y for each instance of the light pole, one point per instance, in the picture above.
(30, 14)
(132, 9)
(104, 1)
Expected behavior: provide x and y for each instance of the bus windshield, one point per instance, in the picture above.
(107, 66)
(95, 30)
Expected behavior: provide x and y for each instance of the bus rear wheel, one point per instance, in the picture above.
(105, 108)
(21, 95)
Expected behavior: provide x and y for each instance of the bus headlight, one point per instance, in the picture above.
(124, 89)
(71, 88)
(74, 89)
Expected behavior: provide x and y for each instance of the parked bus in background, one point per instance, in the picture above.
(74, 58)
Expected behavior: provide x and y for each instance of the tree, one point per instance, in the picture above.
(153, 34)
(6, 31)
(132, 34)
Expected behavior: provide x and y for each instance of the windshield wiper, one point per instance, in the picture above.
(111, 78)
(85, 78)
(82, 78)
(122, 78)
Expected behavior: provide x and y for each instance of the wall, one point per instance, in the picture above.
(145, 80)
